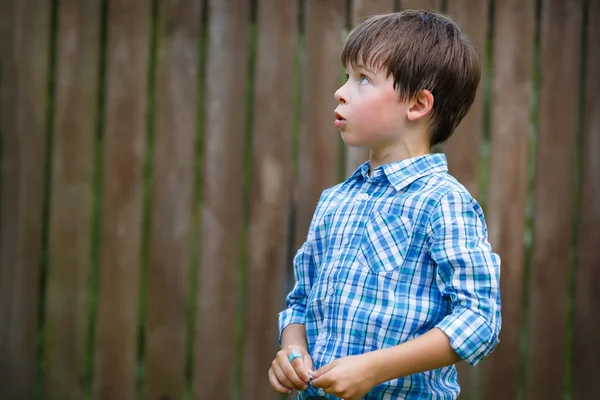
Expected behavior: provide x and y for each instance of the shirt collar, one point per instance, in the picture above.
(402, 173)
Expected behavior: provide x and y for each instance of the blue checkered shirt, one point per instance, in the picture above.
(387, 258)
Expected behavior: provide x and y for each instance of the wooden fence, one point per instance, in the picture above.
(161, 161)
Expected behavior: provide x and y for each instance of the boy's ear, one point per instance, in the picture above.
(420, 105)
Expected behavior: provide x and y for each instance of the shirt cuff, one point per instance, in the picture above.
(292, 315)
(470, 334)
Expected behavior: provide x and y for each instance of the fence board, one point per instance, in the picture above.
(361, 10)
(462, 150)
(512, 79)
(8, 179)
(221, 211)
(171, 201)
(320, 141)
(270, 192)
(560, 58)
(586, 358)
(71, 199)
(122, 189)
(23, 100)
(430, 5)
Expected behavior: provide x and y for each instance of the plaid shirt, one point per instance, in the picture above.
(389, 257)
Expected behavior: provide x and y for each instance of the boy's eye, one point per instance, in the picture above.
(364, 80)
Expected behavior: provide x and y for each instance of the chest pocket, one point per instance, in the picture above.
(385, 242)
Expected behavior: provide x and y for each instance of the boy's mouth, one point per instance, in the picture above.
(339, 120)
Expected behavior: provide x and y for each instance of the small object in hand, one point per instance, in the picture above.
(295, 354)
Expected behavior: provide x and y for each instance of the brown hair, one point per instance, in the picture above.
(421, 50)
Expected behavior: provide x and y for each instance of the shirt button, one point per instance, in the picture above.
(345, 241)
(365, 196)
(330, 291)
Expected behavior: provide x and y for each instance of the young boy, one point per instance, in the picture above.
(396, 281)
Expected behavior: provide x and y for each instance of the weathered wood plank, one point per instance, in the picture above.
(171, 200)
(122, 190)
(271, 189)
(586, 357)
(514, 22)
(222, 205)
(24, 57)
(560, 66)
(71, 198)
(462, 150)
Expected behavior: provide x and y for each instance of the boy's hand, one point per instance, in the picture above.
(285, 376)
(347, 378)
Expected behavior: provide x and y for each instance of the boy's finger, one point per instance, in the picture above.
(290, 372)
(281, 377)
(324, 381)
(308, 363)
(278, 386)
(301, 370)
(323, 370)
(287, 376)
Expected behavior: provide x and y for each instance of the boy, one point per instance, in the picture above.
(396, 281)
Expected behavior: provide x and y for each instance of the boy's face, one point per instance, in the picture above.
(370, 112)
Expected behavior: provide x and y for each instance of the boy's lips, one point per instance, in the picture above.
(339, 120)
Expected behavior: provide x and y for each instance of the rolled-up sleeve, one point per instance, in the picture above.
(296, 299)
(467, 274)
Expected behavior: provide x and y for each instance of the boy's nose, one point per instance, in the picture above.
(339, 96)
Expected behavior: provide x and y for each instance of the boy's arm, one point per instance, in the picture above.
(352, 377)
(467, 274)
(294, 335)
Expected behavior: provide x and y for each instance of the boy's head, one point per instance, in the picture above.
(407, 69)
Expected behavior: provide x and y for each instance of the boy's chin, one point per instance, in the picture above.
(353, 141)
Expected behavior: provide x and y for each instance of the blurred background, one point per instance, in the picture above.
(161, 161)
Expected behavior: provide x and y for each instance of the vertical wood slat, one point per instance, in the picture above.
(361, 10)
(560, 60)
(71, 199)
(122, 189)
(319, 143)
(270, 192)
(462, 149)
(9, 179)
(171, 199)
(586, 357)
(221, 210)
(24, 45)
(512, 79)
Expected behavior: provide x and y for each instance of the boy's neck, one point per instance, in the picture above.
(395, 153)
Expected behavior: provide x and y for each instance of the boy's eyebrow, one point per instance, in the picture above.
(365, 68)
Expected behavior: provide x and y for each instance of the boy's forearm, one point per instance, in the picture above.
(294, 334)
(429, 351)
